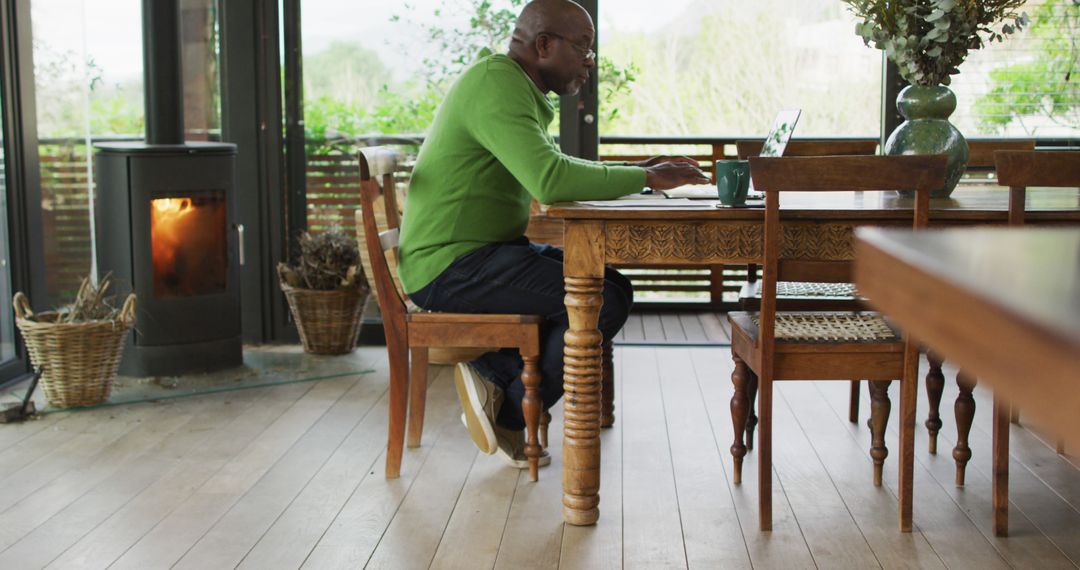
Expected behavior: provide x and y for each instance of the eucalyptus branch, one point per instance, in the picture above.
(929, 39)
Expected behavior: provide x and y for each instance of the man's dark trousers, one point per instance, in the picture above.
(518, 277)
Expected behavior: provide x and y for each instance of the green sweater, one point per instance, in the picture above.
(488, 153)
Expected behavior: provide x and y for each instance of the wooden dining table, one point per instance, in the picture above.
(1001, 303)
(815, 226)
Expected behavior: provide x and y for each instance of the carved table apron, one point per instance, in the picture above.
(818, 226)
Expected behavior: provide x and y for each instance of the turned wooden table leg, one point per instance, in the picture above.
(1001, 467)
(607, 403)
(582, 371)
(739, 407)
(965, 415)
(880, 408)
(531, 409)
(751, 415)
(935, 386)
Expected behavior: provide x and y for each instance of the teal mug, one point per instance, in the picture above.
(732, 181)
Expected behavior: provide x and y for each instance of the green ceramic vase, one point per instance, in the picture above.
(927, 130)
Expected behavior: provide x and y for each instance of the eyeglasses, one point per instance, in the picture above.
(584, 52)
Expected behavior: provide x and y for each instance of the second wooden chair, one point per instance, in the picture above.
(771, 346)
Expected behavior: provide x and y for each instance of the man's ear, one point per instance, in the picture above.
(544, 46)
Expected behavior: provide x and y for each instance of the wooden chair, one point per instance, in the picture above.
(799, 295)
(774, 346)
(1018, 170)
(409, 335)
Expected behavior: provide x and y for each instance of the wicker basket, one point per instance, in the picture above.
(328, 321)
(78, 360)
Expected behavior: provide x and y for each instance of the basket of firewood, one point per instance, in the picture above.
(77, 347)
(326, 291)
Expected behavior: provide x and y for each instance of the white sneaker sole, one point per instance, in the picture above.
(469, 389)
(545, 459)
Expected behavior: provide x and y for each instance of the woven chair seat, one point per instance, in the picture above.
(811, 289)
(831, 327)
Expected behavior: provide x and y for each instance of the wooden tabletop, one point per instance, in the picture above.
(969, 202)
(1002, 303)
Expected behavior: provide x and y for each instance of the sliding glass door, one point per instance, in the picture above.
(7, 324)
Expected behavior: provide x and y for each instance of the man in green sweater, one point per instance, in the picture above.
(463, 245)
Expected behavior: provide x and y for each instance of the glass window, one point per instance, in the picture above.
(7, 323)
(88, 73)
(88, 79)
(374, 73)
(725, 68)
(1025, 86)
(200, 59)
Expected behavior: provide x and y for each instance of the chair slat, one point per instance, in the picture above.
(981, 153)
(748, 148)
(847, 173)
(1038, 168)
(376, 161)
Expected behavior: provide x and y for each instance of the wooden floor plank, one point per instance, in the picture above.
(850, 467)
(652, 530)
(294, 534)
(109, 540)
(79, 449)
(181, 529)
(599, 546)
(475, 530)
(691, 324)
(291, 475)
(359, 526)
(533, 535)
(74, 521)
(830, 529)
(712, 535)
(673, 329)
(715, 325)
(12, 435)
(1041, 523)
(634, 329)
(947, 528)
(230, 539)
(785, 546)
(654, 329)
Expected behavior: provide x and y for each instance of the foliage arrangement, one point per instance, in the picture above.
(1044, 90)
(328, 261)
(929, 39)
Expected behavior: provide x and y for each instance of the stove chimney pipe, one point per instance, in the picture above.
(162, 73)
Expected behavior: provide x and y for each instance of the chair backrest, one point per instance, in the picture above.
(1020, 169)
(981, 153)
(920, 174)
(747, 148)
(377, 166)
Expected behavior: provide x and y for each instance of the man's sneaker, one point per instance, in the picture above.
(480, 400)
(512, 448)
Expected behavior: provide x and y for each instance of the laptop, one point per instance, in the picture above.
(782, 128)
(778, 137)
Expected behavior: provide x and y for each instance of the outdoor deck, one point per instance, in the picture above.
(291, 476)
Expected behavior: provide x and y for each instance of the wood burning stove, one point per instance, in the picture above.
(165, 218)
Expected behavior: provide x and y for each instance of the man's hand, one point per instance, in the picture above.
(662, 159)
(668, 175)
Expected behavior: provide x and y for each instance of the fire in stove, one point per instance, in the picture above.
(189, 246)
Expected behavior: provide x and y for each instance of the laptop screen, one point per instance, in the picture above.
(782, 129)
